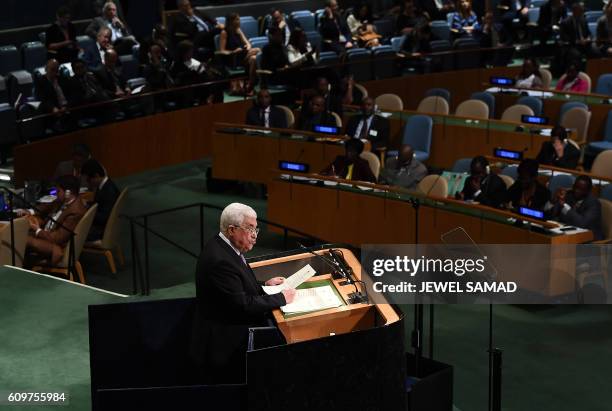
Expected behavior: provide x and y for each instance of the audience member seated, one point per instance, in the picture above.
(186, 70)
(60, 38)
(83, 87)
(437, 9)
(571, 81)
(199, 28)
(409, 18)
(575, 30)
(109, 76)
(351, 166)
(369, 126)
(120, 36)
(530, 76)
(264, 114)
(105, 195)
(604, 32)
(72, 167)
(527, 191)
(277, 20)
(552, 13)
(48, 238)
(488, 33)
(157, 70)
(514, 18)
(403, 171)
(234, 42)
(418, 42)
(159, 36)
(94, 55)
(558, 151)
(299, 51)
(316, 115)
(578, 207)
(483, 186)
(332, 101)
(274, 54)
(51, 90)
(465, 21)
(334, 30)
(362, 28)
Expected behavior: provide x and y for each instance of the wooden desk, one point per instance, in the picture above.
(340, 320)
(357, 217)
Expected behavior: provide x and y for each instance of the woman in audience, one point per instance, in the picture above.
(465, 21)
(233, 42)
(527, 191)
(299, 51)
(571, 81)
(559, 152)
(60, 38)
(362, 27)
(530, 76)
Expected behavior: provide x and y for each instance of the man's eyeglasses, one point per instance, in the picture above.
(250, 230)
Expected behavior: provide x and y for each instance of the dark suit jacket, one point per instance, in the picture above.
(331, 29)
(109, 81)
(587, 215)
(539, 200)
(91, 56)
(569, 29)
(361, 169)
(545, 18)
(492, 191)
(181, 28)
(277, 117)
(229, 301)
(603, 34)
(54, 34)
(106, 199)
(378, 133)
(548, 156)
(76, 91)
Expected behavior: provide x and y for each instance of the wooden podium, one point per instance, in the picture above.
(333, 321)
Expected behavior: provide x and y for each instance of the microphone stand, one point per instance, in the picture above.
(71, 256)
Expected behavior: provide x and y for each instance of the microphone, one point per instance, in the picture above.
(337, 272)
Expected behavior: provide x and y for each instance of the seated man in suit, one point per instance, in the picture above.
(52, 224)
(105, 196)
(51, 90)
(404, 171)
(264, 114)
(229, 298)
(558, 151)
(482, 185)
(109, 76)
(369, 126)
(316, 115)
(578, 207)
(199, 28)
(527, 191)
(323, 88)
(351, 166)
(94, 55)
(80, 154)
(121, 38)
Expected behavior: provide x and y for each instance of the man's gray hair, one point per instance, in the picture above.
(234, 214)
(107, 5)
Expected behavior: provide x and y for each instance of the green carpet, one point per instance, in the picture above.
(555, 357)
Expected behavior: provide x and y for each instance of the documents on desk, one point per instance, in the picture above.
(294, 281)
(313, 299)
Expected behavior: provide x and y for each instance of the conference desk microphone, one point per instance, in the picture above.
(338, 272)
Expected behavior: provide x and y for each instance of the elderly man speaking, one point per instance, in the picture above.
(229, 297)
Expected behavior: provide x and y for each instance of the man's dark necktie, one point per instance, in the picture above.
(364, 128)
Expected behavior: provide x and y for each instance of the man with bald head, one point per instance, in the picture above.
(120, 36)
(109, 76)
(369, 126)
(403, 171)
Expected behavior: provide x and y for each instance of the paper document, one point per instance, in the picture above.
(294, 281)
(313, 299)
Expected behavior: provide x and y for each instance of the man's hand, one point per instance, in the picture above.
(475, 184)
(560, 196)
(275, 281)
(33, 224)
(289, 295)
